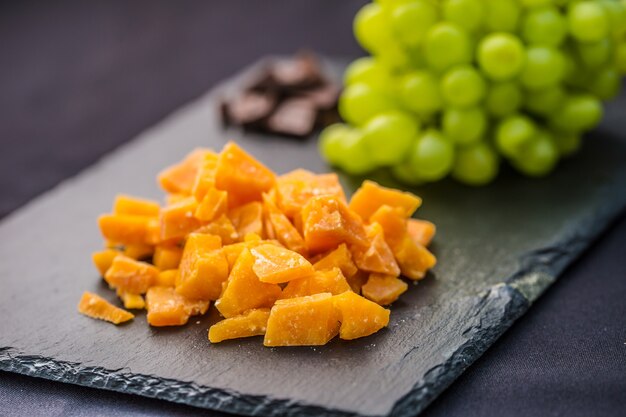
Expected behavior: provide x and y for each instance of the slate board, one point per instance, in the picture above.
(499, 247)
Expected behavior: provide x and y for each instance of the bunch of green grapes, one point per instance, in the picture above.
(453, 86)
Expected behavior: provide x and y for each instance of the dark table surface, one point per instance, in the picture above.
(79, 78)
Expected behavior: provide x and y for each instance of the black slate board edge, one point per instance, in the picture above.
(538, 269)
(499, 306)
(156, 387)
(497, 299)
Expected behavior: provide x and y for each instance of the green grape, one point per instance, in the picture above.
(359, 102)
(538, 157)
(544, 26)
(403, 172)
(503, 99)
(594, 54)
(368, 71)
(587, 21)
(432, 156)
(372, 28)
(447, 45)
(355, 158)
(394, 57)
(467, 14)
(501, 56)
(501, 15)
(536, 3)
(420, 93)
(545, 102)
(410, 21)
(620, 58)
(417, 60)
(519, 78)
(606, 84)
(464, 126)
(573, 75)
(463, 86)
(616, 13)
(544, 67)
(513, 133)
(567, 143)
(475, 165)
(390, 4)
(389, 136)
(578, 113)
(331, 140)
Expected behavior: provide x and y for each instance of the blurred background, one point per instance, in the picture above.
(78, 78)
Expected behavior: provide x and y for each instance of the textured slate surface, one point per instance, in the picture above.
(499, 247)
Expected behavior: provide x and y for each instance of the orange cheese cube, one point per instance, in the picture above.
(393, 223)
(168, 308)
(328, 222)
(371, 196)
(248, 218)
(331, 281)
(414, 259)
(296, 188)
(131, 301)
(242, 176)
(167, 257)
(280, 228)
(252, 323)
(167, 278)
(131, 276)
(180, 178)
(303, 321)
(125, 204)
(244, 291)
(97, 307)
(124, 229)
(359, 316)
(205, 178)
(203, 268)
(339, 258)
(376, 256)
(421, 231)
(103, 259)
(213, 205)
(174, 198)
(276, 265)
(202, 243)
(138, 251)
(383, 289)
(221, 227)
(357, 281)
(233, 251)
(153, 231)
(178, 220)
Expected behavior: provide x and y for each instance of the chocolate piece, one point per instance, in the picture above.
(301, 72)
(249, 108)
(324, 97)
(294, 117)
(261, 80)
(327, 117)
(295, 89)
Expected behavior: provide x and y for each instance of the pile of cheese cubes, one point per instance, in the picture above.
(287, 257)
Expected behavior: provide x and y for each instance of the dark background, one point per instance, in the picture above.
(79, 78)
